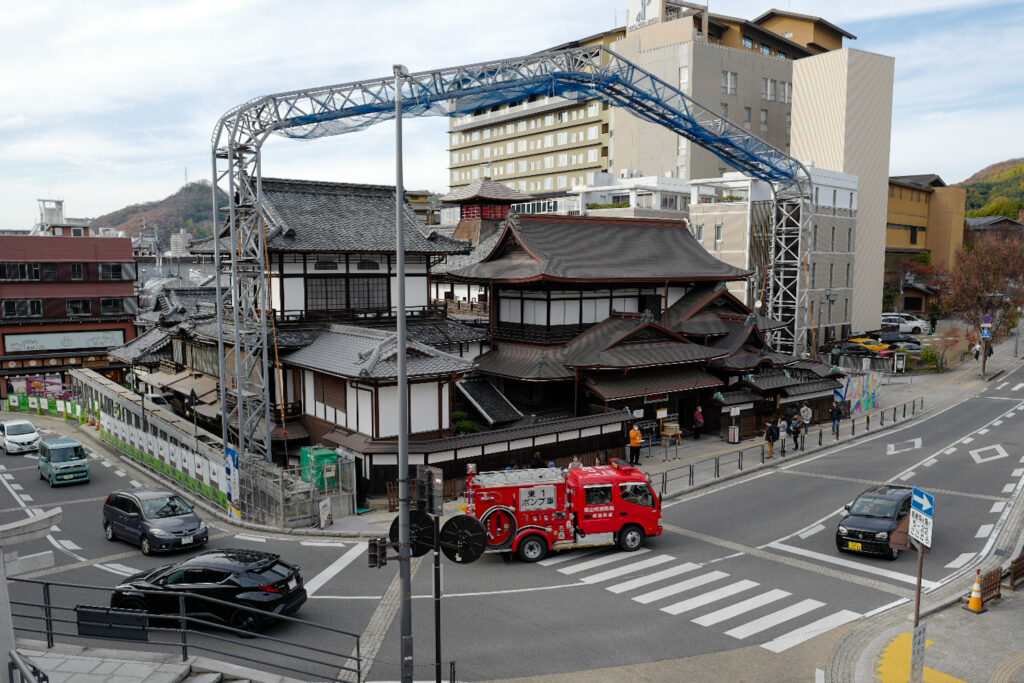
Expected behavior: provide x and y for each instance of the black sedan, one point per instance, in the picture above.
(242, 577)
(870, 520)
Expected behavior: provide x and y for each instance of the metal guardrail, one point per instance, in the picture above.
(715, 467)
(182, 631)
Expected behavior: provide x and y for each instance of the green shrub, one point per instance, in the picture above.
(459, 416)
(467, 427)
(929, 356)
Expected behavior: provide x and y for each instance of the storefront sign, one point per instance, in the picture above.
(60, 341)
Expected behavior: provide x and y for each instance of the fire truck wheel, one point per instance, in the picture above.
(631, 537)
(533, 548)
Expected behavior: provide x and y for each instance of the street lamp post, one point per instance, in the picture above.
(405, 574)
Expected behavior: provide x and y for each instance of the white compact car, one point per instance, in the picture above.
(907, 323)
(18, 436)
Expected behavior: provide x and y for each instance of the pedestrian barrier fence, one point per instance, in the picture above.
(1016, 572)
(28, 672)
(43, 610)
(709, 469)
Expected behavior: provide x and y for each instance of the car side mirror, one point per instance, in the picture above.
(133, 515)
(847, 506)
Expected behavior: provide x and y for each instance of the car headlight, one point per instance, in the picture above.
(202, 526)
(843, 530)
(882, 535)
(159, 532)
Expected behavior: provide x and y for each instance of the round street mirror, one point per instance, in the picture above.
(463, 539)
(421, 533)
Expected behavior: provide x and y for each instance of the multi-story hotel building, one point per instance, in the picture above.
(742, 68)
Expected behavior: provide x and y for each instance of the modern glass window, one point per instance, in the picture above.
(765, 50)
(748, 43)
(549, 140)
(110, 271)
(729, 82)
(764, 88)
(23, 308)
(718, 232)
(593, 109)
(591, 155)
(746, 115)
(77, 271)
(593, 132)
(79, 306)
(50, 272)
(771, 89)
(700, 232)
(563, 138)
(764, 119)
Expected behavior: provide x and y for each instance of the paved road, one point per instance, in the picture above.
(749, 562)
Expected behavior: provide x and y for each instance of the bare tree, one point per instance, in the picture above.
(987, 279)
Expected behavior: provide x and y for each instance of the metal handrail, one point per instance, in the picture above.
(688, 471)
(51, 616)
(30, 673)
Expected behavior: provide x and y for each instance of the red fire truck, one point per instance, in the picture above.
(531, 512)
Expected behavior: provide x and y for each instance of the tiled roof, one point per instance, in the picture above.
(146, 345)
(732, 398)
(488, 401)
(485, 188)
(812, 387)
(350, 351)
(594, 348)
(286, 337)
(442, 332)
(771, 382)
(605, 249)
(642, 384)
(702, 324)
(989, 221)
(523, 362)
(340, 217)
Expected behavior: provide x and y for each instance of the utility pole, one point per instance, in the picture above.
(404, 569)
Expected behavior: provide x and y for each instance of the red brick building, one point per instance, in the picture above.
(64, 302)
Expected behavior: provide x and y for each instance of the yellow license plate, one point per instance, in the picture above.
(853, 545)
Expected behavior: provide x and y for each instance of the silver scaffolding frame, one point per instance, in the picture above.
(240, 239)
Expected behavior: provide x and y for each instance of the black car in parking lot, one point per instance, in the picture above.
(249, 578)
(870, 519)
(156, 519)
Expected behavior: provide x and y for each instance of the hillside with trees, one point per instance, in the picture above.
(997, 190)
(188, 209)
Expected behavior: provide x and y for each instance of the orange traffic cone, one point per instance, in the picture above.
(976, 605)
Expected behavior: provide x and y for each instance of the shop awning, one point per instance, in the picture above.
(204, 386)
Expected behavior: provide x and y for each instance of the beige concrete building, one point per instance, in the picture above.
(842, 120)
(741, 69)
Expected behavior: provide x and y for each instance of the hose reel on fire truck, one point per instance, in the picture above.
(500, 525)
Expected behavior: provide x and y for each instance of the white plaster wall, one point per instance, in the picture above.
(423, 409)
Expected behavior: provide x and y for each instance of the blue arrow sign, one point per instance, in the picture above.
(923, 502)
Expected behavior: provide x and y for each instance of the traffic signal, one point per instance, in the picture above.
(377, 552)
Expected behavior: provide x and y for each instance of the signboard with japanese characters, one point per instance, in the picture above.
(537, 498)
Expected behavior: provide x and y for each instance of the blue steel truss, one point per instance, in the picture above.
(576, 74)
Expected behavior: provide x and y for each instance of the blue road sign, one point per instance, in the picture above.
(986, 320)
(923, 502)
(986, 333)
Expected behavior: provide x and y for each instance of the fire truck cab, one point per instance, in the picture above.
(531, 512)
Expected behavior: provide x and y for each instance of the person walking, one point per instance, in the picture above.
(771, 435)
(794, 429)
(805, 415)
(698, 423)
(636, 440)
(836, 413)
(933, 322)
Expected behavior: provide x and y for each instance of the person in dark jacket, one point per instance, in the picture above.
(771, 435)
(836, 413)
(537, 463)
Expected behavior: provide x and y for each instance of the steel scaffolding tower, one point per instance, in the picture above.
(240, 241)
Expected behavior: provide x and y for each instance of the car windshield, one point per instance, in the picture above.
(874, 507)
(66, 453)
(168, 506)
(19, 429)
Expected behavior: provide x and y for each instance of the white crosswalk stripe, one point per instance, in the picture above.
(628, 569)
(680, 587)
(707, 598)
(741, 607)
(598, 562)
(774, 619)
(652, 578)
(1017, 386)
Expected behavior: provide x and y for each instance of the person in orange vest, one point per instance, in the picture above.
(636, 439)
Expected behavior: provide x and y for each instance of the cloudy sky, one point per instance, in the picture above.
(110, 103)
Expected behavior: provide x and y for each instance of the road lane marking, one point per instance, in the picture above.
(984, 531)
(1017, 387)
(813, 530)
(1003, 384)
(902, 447)
(997, 423)
(929, 463)
(318, 581)
(961, 560)
(879, 610)
(1018, 472)
(247, 537)
(982, 431)
(17, 487)
(949, 451)
(8, 477)
(121, 569)
(652, 578)
(766, 622)
(70, 545)
(106, 464)
(120, 473)
(27, 498)
(967, 440)
(998, 506)
(784, 642)
(135, 484)
(875, 482)
(626, 569)
(1009, 488)
(850, 564)
(741, 607)
(323, 544)
(680, 587)
(709, 597)
(600, 561)
(907, 475)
